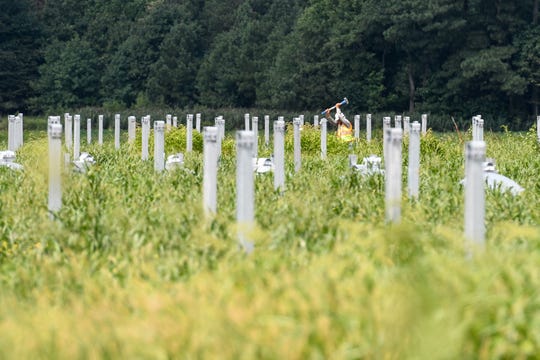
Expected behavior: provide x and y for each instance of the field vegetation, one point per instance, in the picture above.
(130, 267)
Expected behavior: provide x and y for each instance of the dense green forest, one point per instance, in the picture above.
(457, 57)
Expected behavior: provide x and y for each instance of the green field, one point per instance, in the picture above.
(130, 268)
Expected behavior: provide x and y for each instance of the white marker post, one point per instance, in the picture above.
(473, 127)
(100, 129)
(117, 131)
(245, 189)
(198, 122)
(413, 182)
(357, 127)
(18, 133)
(168, 119)
(297, 145)
(538, 127)
(316, 121)
(397, 121)
(246, 121)
(368, 127)
(386, 126)
(76, 136)
(21, 130)
(279, 154)
(145, 134)
(393, 175)
(189, 133)
(132, 126)
(406, 125)
(11, 132)
(68, 130)
(88, 131)
(424, 124)
(324, 121)
(220, 124)
(55, 168)
(175, 121)
(159, 146)
(475, 153)
(480, 129)
(266, 130)
(210, 150)
(255, 129)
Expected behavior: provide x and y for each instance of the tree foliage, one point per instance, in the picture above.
(438, 56)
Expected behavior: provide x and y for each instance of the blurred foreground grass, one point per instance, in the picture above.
(131, 269)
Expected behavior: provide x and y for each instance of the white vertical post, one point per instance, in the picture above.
(245, 189)
(68, 130)
(100, 129)
(297, 145)
(11, 132)
(316, 121)
(168, 119)
(220, 124)
(246, 121)
(393, 175)
(480, 130)
(132, 125)
(368, 127)
(538, 127)
(475, 127)
(357, 127)
(198, 122)
(189, 133)
(475, 153)
(413, 177)
(88, 131)
(17, 132)
(221, 127)
(266, 130)
(76, 136)
(210, 136)
(406, 125)
(55, 167)
(323, 137)
(117, 131)
(145, 134)
(159, 146)
(255, 130)
(424, 124)
(397, 121)
(175, 121)
(21, 130)
(386, 126)
(279, 154)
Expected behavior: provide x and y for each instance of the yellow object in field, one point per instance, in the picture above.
(344, 132)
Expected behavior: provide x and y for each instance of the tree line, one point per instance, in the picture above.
(457, 57)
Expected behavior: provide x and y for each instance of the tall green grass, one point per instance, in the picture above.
(130, 268)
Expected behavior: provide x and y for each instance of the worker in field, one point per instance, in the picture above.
(344, 127)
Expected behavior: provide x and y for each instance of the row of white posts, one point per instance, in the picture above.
(475, 154)
(15, 131)
(213, 136)
(393, 164)
(72, 130)
(318, 122)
